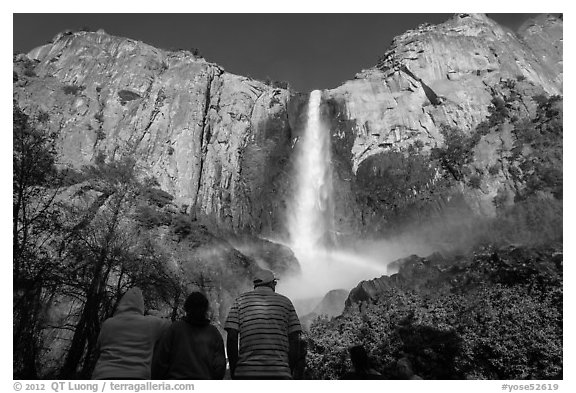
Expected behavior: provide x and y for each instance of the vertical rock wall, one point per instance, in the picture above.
(214, 140)
(221, 143)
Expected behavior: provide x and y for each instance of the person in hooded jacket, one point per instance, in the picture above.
(191, 348)
(126, 342)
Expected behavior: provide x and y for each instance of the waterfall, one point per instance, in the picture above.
(311, 224)
(310, 220)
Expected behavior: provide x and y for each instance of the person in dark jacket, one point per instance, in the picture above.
(404, 369)
(361, 364)
(126, 341)
(191, 348)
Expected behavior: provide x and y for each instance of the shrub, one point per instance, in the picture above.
(28, 67)
(43, 117)
(475, 181)
(500, 199)
(281, 85)
(157, 196)
(100, 158)
(497, 314)
(30, 72)
(73, 89)
(99, 116)
(127, 95)
(457, 151)
(182, 225)
(493, 170)
(100, 135)
(150, 217)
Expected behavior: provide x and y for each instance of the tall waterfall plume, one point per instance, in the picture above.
(324, 264)
(311, 224)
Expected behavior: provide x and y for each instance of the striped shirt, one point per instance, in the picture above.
(264, 319)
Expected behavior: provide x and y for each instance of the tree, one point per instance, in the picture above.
(456, 152)
(98, 244)
(35, 186)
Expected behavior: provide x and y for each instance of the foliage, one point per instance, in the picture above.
(535, 164)
(100, 238)
(456, 153)
(99, 116)
(34, 223)
(496, 314)
(537, 151)
(100, 135)
(157, 196)
(73, 89)
(127, 95)
(150, 217)
(29, 72)
(276, 83)
(390, 180)
(182, 225)
(529, 221)
(28, 66)
(82, 250)
(475, 181)
(43, 117)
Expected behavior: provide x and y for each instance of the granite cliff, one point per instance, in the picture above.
(445, 74)
(221, 143)
(432, 78)
(212, 139)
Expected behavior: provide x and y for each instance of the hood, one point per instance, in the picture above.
(133, 300)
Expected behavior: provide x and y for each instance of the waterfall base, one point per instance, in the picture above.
(325, 270)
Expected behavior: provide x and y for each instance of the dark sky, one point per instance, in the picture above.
(311, 51)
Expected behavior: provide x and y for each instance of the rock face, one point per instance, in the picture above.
(437, 273)
(331, 305)
(414, 272)
(445, 74)
(432, 77)
(221, 143)
(214, 140)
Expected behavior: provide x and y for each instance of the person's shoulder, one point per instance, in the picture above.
(155, 320)
(283, 298)
(157, 323)
(243, 295)
(179, 324)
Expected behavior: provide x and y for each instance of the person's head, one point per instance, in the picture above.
(265, 278)
(132, 300)
(404, 368)
(196, 306)
(359, 357)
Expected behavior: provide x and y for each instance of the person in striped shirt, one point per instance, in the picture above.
(267, 328)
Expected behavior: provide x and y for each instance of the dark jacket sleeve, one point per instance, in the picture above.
(218, 366)
(161, 358)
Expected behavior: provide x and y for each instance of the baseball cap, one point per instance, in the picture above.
(264, 277)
